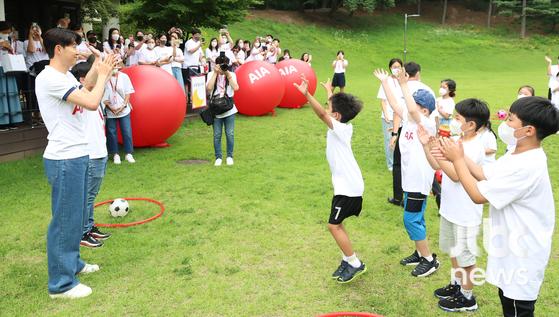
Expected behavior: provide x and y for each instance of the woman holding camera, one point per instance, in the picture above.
(223, 83)
(113, 45)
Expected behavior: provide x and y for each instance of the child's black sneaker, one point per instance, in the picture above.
(98, 235)
(447, 291)
(458, 303)
(413, 259)
(90, 242)
(340, 269)
(350, 273)
(426, 268)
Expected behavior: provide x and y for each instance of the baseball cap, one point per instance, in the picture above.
(425, 99)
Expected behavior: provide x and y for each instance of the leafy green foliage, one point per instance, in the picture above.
(97, 9)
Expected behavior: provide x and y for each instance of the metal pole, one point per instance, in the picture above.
(405, 35)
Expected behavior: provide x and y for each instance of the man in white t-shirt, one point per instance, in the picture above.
(97, 147)
(552, 71)
(346, 175)
(62, 101)
(417, 174)
(34, 47)
(192, 59)
(519, 231)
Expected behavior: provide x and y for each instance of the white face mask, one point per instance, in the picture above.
(395, 71)
(506, 134)
(151, 46)
(443, 91)
(520, 96)
(4, 37)
(115, 71)
(455, 127)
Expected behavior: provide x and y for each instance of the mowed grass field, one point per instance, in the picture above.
(251, 240)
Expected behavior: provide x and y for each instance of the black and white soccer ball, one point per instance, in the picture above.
(119, 208)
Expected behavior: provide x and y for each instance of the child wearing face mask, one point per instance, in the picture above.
(445, 103)
(339, 65)
(212, 52)
(522, 211)
(523, 91)
(460, 216)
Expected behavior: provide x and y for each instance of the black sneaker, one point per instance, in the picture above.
(458, 303)
(447, 291)
(426, 268)
(339, 270)
(98, 235)
(350, 273)
(396, 202)
(413, 259)
(90, 242)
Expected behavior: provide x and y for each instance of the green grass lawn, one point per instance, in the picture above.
(251, 240)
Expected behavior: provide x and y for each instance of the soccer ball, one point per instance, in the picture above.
(119, 208)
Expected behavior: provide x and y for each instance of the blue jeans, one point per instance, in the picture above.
(229, 123)
(388, 153)
(125, 129)
(68, 181)
(177, 72)
(95, 174)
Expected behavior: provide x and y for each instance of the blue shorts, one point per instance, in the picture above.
(414, 211)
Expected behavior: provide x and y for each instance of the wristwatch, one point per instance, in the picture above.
(394, 133)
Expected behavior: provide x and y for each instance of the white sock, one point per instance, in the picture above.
(429, 258)
(354, 261)
(456, 281)
(467, 293)
(345, 258)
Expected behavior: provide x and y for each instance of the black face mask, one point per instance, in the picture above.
(140, 38)
(92, 39)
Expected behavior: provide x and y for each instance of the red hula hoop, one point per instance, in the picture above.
(135, 223)
(349, 314)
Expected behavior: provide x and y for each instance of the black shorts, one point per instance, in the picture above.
(343, 207)
(338, 80)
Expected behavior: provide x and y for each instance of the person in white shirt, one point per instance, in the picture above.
(148, 56)
(387, 115)
(552, 71)
(489, 140)
(17, 45)
(164, 54)
(223, 83)
(445, 103)
(307, 58)
(272, 55)
(276, 43)
(135, 49)
(523, 92)
(212, 52)
(346, 175)
(34, 46)
(97, 147)
(177, 58)
(522, 211)
(117, 100)
(554, 88)
(238, 55)
(62, 101)
(10, 107)
(339, 65)
(460, 217)
(417, 174)
(83, 50)
(286, 55)
(114, 44)
(192, 59)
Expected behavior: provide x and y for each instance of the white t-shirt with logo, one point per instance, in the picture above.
(340, 66)
(95, 132)
(417, 174)
(346, 175)
(115, 91)
(162, 53)
(522, 219)
(147, 56)
(39, 55)
(489, 142)
(64, 121)
(456, 206)
(219, 91)
(397, 91)
(192, 59)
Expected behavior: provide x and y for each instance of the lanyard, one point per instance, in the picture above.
(114, 89)
(221, 84)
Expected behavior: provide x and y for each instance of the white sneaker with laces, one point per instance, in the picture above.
(77, 291)
(116, 159)
(229, 161)
(218, 162)
(130, 158)
(89, 268)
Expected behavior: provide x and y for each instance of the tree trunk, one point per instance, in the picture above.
(418, 6)
(445, 6)
(523, 23)
(335, 6)
(489, 13)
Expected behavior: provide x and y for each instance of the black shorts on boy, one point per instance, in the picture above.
(344, 207)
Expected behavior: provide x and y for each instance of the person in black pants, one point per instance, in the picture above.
(397, 193)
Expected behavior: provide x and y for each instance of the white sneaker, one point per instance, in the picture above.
(130, 158)
(229, 161)
(89, 268)
(78, 291)
(218, 162)
(116, 159)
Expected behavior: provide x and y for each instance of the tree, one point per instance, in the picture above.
(163, 14)
(97, 9)
(445, 7)
(544, 10)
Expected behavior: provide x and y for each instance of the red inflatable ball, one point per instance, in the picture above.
(260, 88)
(158, 105)
(291, 70)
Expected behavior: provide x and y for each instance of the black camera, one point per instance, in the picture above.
(224, 67)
